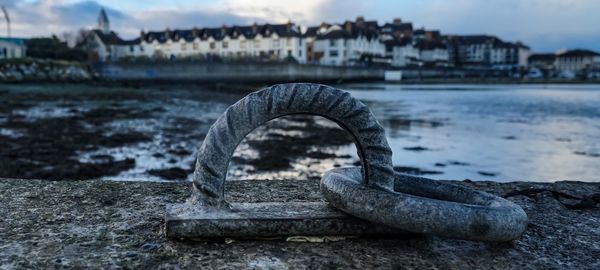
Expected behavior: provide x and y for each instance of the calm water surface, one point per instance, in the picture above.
(478, 132)
(499, 132)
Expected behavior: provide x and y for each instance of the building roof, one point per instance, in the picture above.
(542, 57)
(349, 30)
(396, 27)
(109, 39)
(426, 45)
(219, 33)
(16, 41)
(401, 42)
(578, 53)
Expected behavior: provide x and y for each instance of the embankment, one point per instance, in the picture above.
(105, 224)
(183, 72)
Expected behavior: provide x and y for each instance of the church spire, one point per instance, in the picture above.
(103, 23)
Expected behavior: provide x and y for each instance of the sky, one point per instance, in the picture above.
(544, 25)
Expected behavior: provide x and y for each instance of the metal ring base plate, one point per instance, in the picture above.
(272, 219)
(426, 206)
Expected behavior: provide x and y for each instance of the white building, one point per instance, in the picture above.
(488, 51)
(273, 42)
(433, 53)
(578, 60)
(347, 44)
(107, 45)
(402, 52)
(12, 48)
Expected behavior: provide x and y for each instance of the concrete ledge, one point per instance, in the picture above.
(104, 224)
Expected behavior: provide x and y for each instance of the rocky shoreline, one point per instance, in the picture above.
(106, 224)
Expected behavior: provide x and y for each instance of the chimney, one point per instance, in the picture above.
(289, 25)
(142, 34)
(223, 30)
(194, 32)
(254, 28)
(348, 26)
(360, 21)
(397, 21)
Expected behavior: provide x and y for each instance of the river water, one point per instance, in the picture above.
(495, 132)
(477, 132)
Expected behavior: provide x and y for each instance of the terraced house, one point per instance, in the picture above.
(265, 42)
(346, 44)
(352, 43)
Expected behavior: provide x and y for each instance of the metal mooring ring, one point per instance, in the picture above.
(285, 99)
(427, 206)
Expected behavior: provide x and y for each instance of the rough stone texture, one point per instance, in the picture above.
(284, 99)
(428, 206)
(103, 224)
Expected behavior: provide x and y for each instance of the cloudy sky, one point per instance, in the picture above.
(545, 25)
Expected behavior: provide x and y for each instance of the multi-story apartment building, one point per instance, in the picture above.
(433, 52)
(347, 44)
(577, 60)
(486, 51)
(402, 52)
(395, 30)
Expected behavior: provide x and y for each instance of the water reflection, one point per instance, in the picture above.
(503, 133)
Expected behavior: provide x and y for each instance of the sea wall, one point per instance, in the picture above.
(107, 224)
(236, 72)
(39, 70)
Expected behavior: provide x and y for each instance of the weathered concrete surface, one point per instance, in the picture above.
(103, 224)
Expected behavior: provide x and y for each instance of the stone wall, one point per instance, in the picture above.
(236, 72)
(37, 70)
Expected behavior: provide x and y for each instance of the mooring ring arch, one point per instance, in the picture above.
(424, 205)
(284, 99)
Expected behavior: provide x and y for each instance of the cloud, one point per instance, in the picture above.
(546, 25)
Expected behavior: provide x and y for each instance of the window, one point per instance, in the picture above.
(225, 44)
(243, 44)
(276, 43)
(195, 46)
(332, 42)
(300, 53)
(289, 53)
(300, 41)
(141, 48)
(333, 53)
(257, 44)
(183, 46)
(131, 48)
(289, 42)
(212, 46)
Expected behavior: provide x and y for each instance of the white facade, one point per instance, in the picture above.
(232, 46)
(12, 48)
(333, 51)
(338, 47)
(523, 56)
(577, 62)
(405, 55)
(434, 55)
